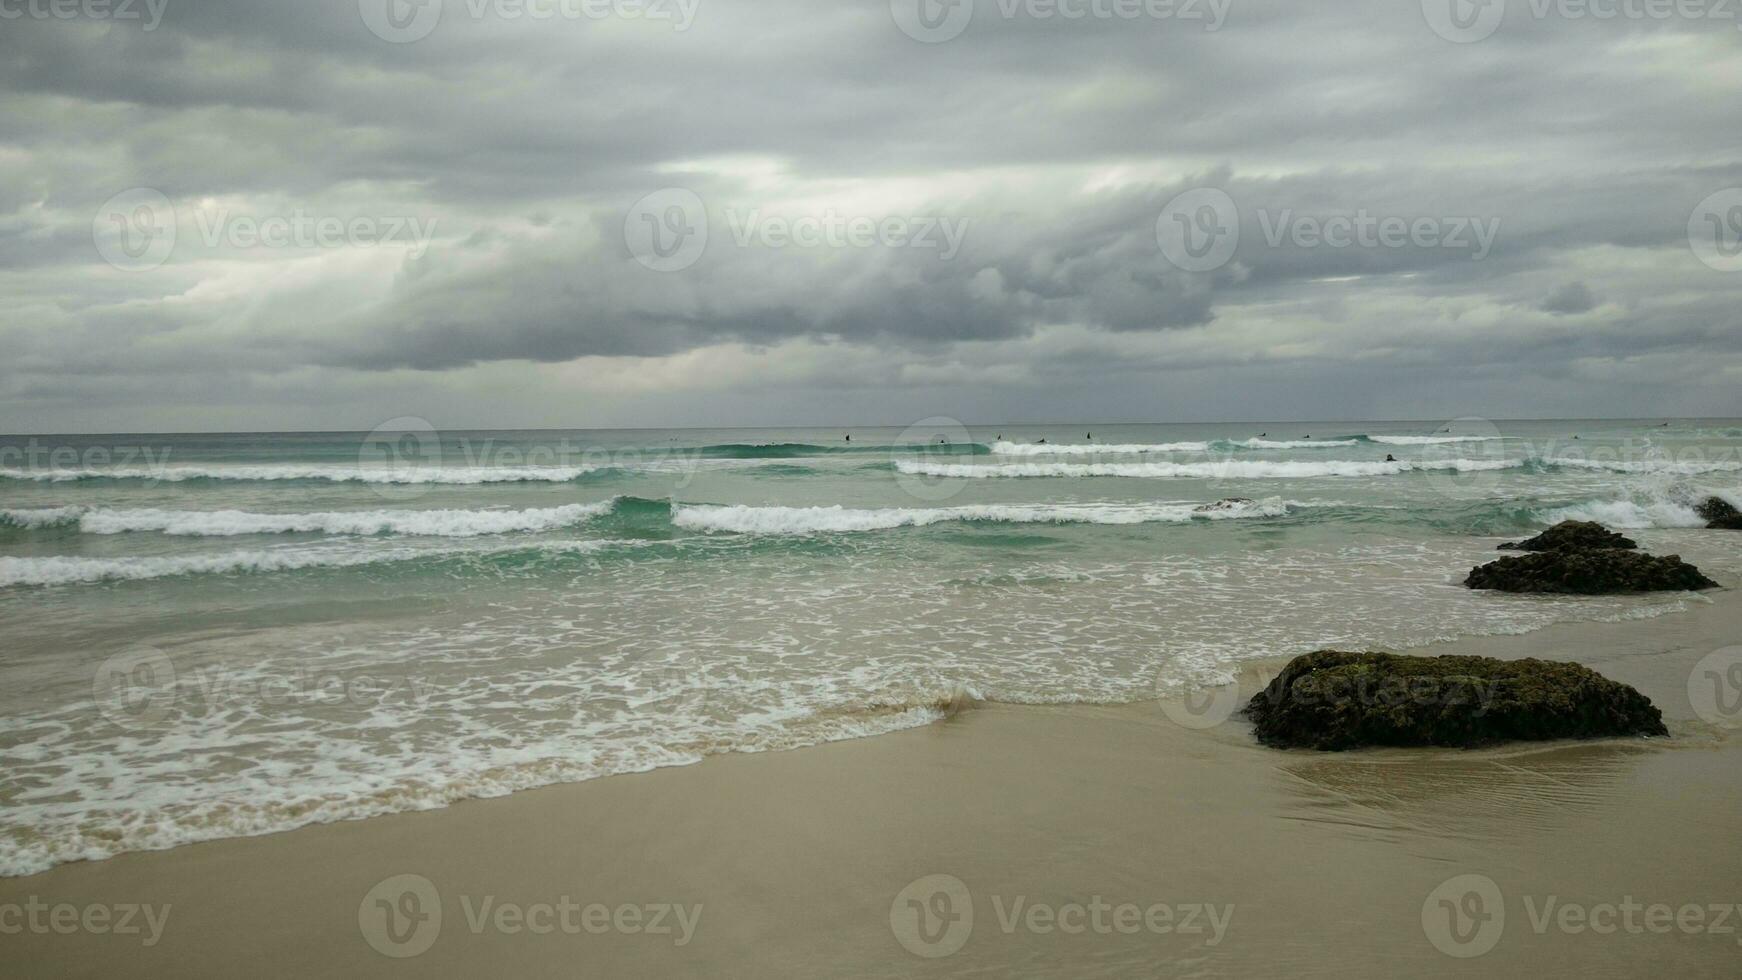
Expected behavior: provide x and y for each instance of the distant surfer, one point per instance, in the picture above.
(1043, 441)
(1089, 436)
(1390, 458)
(849, 438)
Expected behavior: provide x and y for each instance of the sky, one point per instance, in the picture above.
(324, 214)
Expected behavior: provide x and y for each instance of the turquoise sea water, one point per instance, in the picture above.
(214, 635)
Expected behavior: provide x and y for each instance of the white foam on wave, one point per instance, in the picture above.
(42, 516)
(812, 520)
(333, 474)
(71, 570)
(1094, 449)
(156, 794)
(1221, 469)
(1145, 449)
(223, 523)
(1292, 443)
(1428, 440)
(1691, 467)
(1627, 514)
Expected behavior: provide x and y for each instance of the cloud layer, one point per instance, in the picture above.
(233, 214)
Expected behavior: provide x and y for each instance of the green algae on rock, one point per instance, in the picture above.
(1719, 514)
(1600, 571)
(1572, 536)
(1331, 700)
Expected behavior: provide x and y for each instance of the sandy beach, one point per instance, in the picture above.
(1051, 841)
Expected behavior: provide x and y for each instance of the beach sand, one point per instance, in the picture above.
(1116, 823)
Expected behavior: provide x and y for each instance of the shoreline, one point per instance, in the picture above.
(1114, 820)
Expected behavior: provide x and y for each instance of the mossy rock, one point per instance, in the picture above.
(1720, 514)
(1572, 536)
(1331, 700)
(1606, 571)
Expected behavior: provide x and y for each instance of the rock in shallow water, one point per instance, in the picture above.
(1332, 700)
(1720, 514)
(1572, 536)
(1601, 571)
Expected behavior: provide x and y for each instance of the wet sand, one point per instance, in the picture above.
(1086, 841)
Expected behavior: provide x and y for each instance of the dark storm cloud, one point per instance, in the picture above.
(1572, 151)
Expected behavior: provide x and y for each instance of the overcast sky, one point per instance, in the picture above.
(266, 214)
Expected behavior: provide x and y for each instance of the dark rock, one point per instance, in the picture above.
(1572, 536)
(1228, 503)
(1599, 571)
(1716, 509)
(1720, 514)
(1332, 701)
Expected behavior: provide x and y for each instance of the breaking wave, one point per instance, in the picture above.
(814, 520)
(331, 474)
(1425, 440)
(69, 570)
(223, 523)
(1221, 469)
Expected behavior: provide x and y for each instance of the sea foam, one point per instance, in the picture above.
(333, 474)
(812, 520)
(223, 523)
(1220, 469)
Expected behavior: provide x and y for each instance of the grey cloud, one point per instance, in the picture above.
(1059, 142)
(1574, 297)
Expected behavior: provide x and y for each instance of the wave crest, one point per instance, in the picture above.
(816, 520)
(225, 523)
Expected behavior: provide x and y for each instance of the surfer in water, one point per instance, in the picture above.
(1390, 458)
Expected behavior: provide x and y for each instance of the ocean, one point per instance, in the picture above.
(218, 635)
